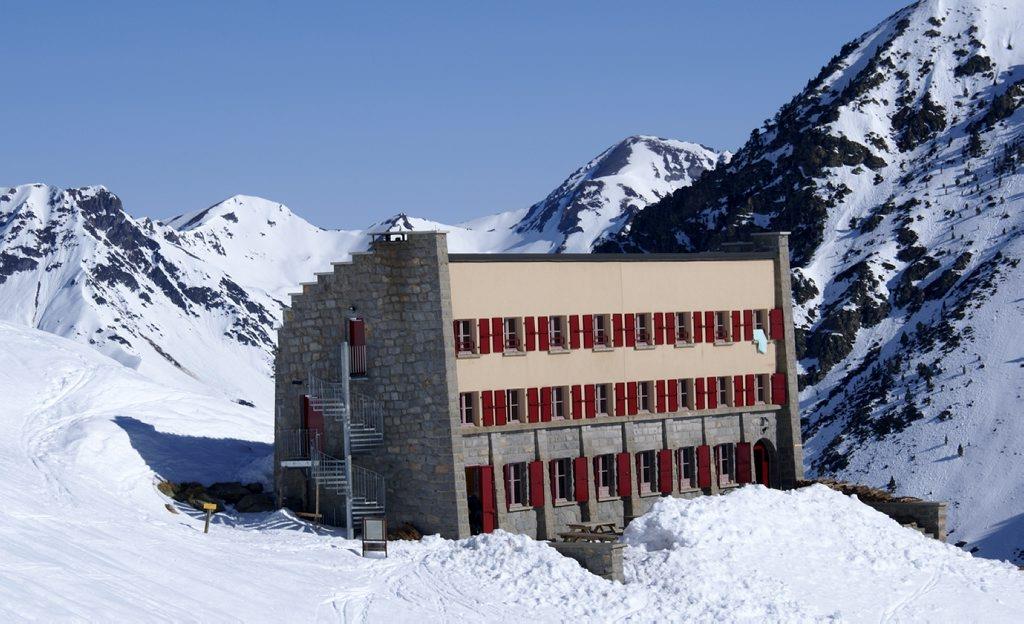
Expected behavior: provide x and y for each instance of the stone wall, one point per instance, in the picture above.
(602, 559)
(929, 515)
(401, 289)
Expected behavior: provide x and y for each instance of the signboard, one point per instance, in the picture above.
(375, 535)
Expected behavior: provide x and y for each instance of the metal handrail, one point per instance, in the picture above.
(368, 485)
(297, 443)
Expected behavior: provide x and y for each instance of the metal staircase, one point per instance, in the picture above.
(362, 425)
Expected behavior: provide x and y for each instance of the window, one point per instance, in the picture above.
(517, 485)
(602, 400)
(724, 386)
(513, 404)
(559, 403)
(683, 325)
(687, 468)
(647, 471)
(643, 396)
(760, 388)
(602, 334)
(761, 320)
(604, 475)
(724, 456)
(465, 335)
(556, 333)
(467, 408)
(721, 326)
(643, 329)
(685, 393)
(561, 477)
(512, 341)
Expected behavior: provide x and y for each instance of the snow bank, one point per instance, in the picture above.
(818, 548)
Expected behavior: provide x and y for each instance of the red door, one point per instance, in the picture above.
(762, 465)
(483, 514)
(313, 422)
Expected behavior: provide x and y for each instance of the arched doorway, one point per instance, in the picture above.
(763, 463)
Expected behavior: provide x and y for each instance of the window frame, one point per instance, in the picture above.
(647, 472)
(761, 320)
(644, 319)
(606, 468)
(725, 398)
(604, 330)
(520, 415)
(512, 342)
(563, 479)
(684, 328)
(725, 463)
(558, 326)
(559, 396)
(687, 458)
(684, 393)
(760, 389)
(519, 485)
(602, 392)
(645, 394)
(474, 413)
(723, 326)
(466, 338)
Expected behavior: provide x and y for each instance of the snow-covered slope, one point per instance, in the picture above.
(85, 535)
(898, 170)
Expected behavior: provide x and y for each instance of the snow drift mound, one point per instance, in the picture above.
(819, 548)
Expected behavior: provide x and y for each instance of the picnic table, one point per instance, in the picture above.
(591, 532)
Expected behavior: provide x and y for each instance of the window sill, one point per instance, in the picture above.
(564, 503)
(689, 490)
(650, 494)
(513, 353)
(684, 345)
(516, 507)
(603, 349)
(643, 347)
(728, 486)
(724, 343)
(559, 351)
(607, 499)
(466, 355)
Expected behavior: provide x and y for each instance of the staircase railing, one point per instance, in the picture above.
(296, 443)
(368, 485)
(368, 413)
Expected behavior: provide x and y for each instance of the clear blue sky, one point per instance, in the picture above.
(349, 112)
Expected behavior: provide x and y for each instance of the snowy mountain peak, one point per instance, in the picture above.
(234, 209)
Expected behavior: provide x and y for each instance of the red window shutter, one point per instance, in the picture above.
(662, 400)
(699, 392)
(672, 391)
(487, 399)
(775, 330)
(737, 391)
(532, 405)
(736, 336)
(500, 415)
(507, 470)
(743, 462)
(455, 332)
(575, 333)
(698, 326)
(620, 399)
(670, 328)
(709, 327)
(624, 477)
(579, 477)
(551, 479)
(497, 335)
(631, 402)
(577, 402)
(630, 323)
(588, 331)
(545, 404)
(665, 471)
(779, 388)
(712, 386)
(659, 328)
(488, 503)
(590, 400)
(703, 466)
(484, 329)
(748, 325)
(751, 390)
(618, 335)
(530, 332)
(536, 471)
(542, 333)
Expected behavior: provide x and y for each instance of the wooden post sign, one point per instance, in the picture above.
(375, 535)
(209, 508)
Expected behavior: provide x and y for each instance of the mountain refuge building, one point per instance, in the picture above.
(467, 392)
